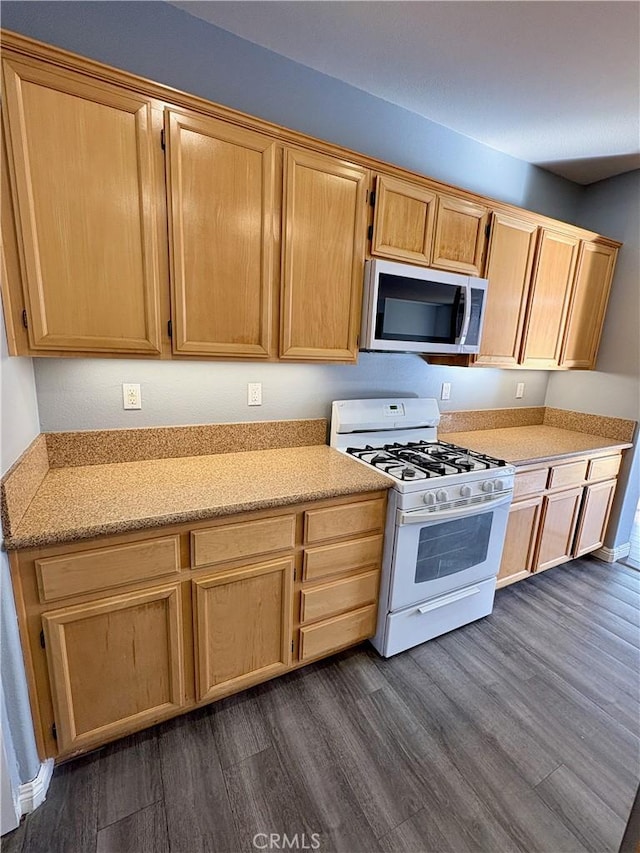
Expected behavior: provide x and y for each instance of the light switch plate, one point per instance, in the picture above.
(445, 393)
(520, 390)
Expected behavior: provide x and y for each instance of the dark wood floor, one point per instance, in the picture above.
(517, 733)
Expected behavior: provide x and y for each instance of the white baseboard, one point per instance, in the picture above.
(32, 794)
(612, 555)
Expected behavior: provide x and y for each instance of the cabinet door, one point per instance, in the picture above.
(403, 221)
(87, 184)
(589, 299)
(460, 237)
(323, 257)
(115, 665)
(222, 203)
(594, 517)
(243, 626)
(511, 251)
(558, 526)
(520, 541)
(549, 299)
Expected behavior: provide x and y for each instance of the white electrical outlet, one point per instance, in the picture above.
(445, 393)
(131, 397)
(520, 390)
(254, 393)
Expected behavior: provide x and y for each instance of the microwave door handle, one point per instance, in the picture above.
(467, 314)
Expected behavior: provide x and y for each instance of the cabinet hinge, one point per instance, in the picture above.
(487, 230)
(295, 574)
(370, 232)
(170, 328)
(25, 319)
(291, 645)
(54, 732)
(162, 143)
(372, 198)
(42, 641)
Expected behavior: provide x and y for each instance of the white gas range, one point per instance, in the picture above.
(446, 520)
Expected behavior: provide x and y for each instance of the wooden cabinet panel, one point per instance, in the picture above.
(243, 623)
(318, 602)
(105, 568)
(548, 303)
(328, 560)
(222, 204)
(336, 633)
(594, 517)
(568, 474)
(510, 260)
(558, 526)
(589, 298)
(323, 257)
(459, 235)
(520, 541)
(115, 665)
(604, 468)
(343, 520)
(247, 539)
(530, 483)
(403, 221)
(87, 187)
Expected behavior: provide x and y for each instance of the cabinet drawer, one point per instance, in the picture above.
(342, 557)
(570, 474)
(338, 596)
(347, 519)
(105, 568)
(530, 483)
(604, 468)
(236, 541)
(334, 634)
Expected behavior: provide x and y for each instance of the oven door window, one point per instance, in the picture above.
(452, 546)
(422, 311)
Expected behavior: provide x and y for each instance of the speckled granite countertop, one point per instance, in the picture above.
(92, 500)
(525, 445)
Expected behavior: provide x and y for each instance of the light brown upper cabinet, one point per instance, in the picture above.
(549, 300)
(460, 235)
(324, 224)
(86, 183)
(589, 298)
(221, 182)
(403, 221)
(511, 252)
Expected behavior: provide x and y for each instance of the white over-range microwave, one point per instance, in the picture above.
(416, 309)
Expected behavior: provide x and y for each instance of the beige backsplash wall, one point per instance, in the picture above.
(77, 394)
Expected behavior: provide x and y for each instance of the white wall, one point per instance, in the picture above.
(613, 388)
(18, 404)
(87, 393)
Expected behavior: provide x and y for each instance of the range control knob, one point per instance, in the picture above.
(442, 496)
(500, 485)
(429, 499)
(487, 486)
(465, 491)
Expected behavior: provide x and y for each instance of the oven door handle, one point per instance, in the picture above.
(467, 314)
(419, 516)
(448, 599)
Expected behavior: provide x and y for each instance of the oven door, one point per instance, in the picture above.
(437, 552)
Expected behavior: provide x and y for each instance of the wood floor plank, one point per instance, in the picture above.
(595, 824)
(325, 796)
(67, 820)
(144, 831)
(264, 803)
(385, 793)
(486, 767)
(239, 729)
(590, 594)
(13, 841)
(199, 817)
(129, 777)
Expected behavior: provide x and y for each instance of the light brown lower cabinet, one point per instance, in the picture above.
(559, 512)
(114, 663)
(122, 632)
